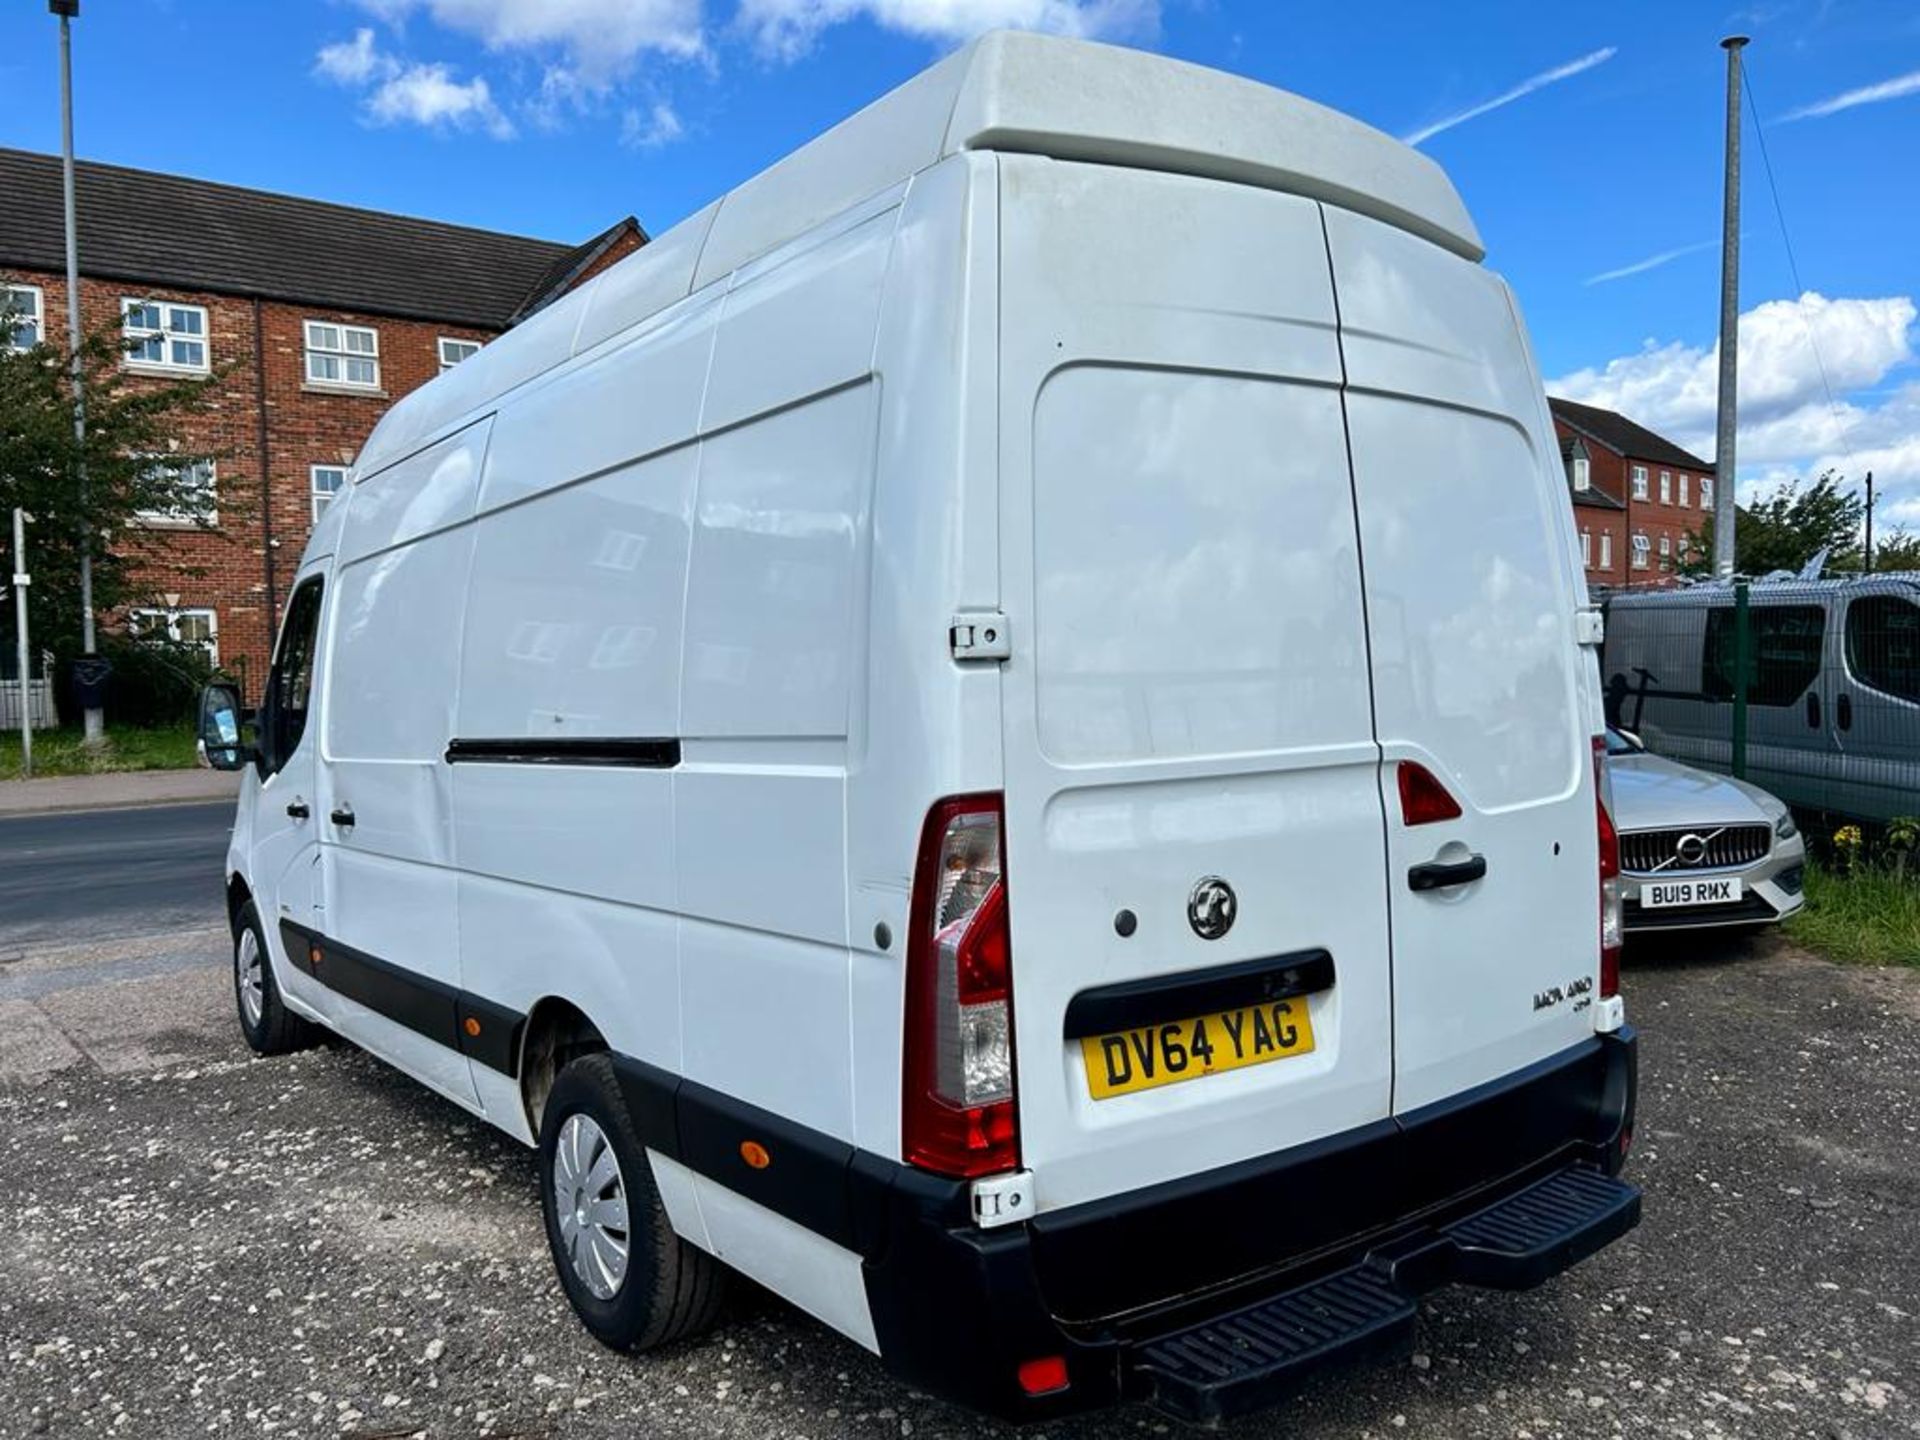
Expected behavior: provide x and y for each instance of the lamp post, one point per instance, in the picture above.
(1725, 511)
(67, 10)
(20, 582)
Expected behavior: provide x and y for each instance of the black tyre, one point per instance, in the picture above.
(269, 1027)
(634, 1283)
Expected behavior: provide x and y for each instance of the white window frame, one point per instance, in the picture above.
(470, 348)
(1606, 549)
(167, 335)
(1586, 548)
(1683, 489)
(180, 519)
(1666, 487)
(1642, 551)
(1706, 492)
(319, 499)
(341, 352)
(1639, 482)
(1582, 473)
(169, 620)
(1666, 546)
(38, 321)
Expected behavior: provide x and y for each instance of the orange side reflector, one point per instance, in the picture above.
(471, 1026)
(755, 1154)
(313, 954)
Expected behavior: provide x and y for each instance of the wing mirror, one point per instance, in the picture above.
(1639, 745)
(220, 721)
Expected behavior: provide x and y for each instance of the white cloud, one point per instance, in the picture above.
(789, 27)
(427, 94)
(650, 129)
(1787, 425)
(1652, 262)
(355, 61)
(1507, 97)
(1893, 89)
(411, 92)
(600, 38)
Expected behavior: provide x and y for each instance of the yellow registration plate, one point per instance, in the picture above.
(1131, 1060)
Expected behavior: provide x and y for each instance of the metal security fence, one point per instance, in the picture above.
(36, 695)
(1808, 688)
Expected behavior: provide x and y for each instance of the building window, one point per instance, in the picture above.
(1706, 492)
(1582, 472)
(327, 481)
(1683, 487)
(25, 307)
(163, 336)
(343, 355)
(195, 627)
(1666, 487)
(1606, 549)
(1641, 550)
(1586, 548)
(1639, 482)
(195, 496)
(452, 352)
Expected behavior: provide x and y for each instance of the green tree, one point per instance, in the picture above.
(1787, 527)
(138, 458)
(1898, 551)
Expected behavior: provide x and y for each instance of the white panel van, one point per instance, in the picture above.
(992, 732)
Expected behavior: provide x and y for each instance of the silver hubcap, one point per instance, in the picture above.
(253, 980)
(590, 1199)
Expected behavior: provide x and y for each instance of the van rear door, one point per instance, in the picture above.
(1477, 674)
(1187, 705)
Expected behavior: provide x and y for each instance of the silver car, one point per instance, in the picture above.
(1700, 849)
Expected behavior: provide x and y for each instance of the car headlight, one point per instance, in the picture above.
(1784, 828)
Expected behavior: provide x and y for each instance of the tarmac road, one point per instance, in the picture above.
(194, 1242)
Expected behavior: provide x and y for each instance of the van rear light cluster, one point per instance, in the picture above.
(958, 1115)
(1611, 916)
(1423, 799)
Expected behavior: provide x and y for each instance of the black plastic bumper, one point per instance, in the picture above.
(1216, 1294)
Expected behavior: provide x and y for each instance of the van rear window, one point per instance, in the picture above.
(1883, 644)
(1785, 656)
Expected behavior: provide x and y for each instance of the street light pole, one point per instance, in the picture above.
(20, 582)
(66, 10)
(1723, 456)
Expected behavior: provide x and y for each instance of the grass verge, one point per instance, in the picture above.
(62, 752)
(1870, 917)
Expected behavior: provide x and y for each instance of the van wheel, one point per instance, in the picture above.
(633, 1282)
(269, 1027)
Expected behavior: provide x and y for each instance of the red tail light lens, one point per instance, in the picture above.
(1423, 799)
(1610, 899)
(958, 1112)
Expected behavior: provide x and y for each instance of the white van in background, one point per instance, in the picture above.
(993, 732)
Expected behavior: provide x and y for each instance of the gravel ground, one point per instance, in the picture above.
(193, 1242)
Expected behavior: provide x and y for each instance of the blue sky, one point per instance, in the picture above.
(1586, 140)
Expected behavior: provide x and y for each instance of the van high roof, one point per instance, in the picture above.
(1008, 91)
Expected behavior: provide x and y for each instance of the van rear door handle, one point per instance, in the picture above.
(343, 816)
(298, 809)
(1438, 875)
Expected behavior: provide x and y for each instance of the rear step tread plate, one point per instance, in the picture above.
(1251, 1357)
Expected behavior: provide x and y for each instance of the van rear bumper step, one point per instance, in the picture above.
(1248, 1359)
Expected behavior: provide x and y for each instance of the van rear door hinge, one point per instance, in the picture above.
(1589, 626)
(979, 635)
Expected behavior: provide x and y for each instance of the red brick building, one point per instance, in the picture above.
(322, 315)
(1639, 500)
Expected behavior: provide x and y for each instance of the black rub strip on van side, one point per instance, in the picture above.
(1135, 1003)
(477, 1028)
(638, 754)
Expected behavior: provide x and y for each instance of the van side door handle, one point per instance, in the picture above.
(342, 816)
(1438, 875)
(1813, 711)
(298, 809)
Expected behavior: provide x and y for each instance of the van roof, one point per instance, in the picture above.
(1713, 591)
(1007, 91)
